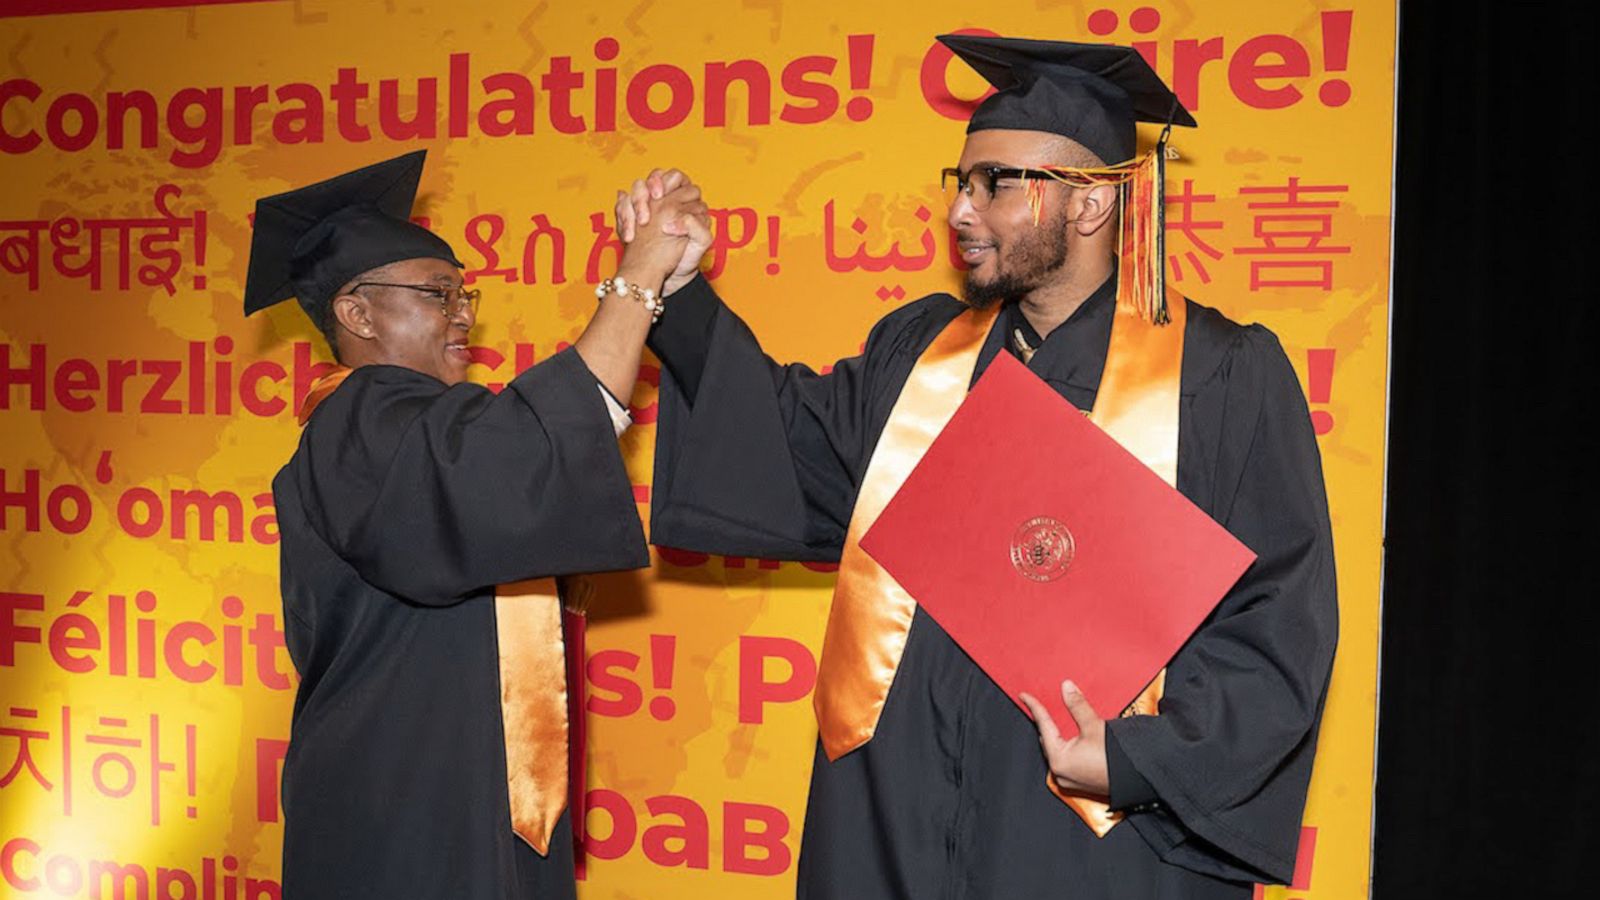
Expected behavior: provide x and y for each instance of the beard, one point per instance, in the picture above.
(1024, 266)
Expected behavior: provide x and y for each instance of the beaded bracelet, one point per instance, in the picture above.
(622, 288)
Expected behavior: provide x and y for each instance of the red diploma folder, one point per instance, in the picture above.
(1048, 552)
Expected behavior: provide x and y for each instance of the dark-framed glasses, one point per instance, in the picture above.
(982, 183)
(453, 301)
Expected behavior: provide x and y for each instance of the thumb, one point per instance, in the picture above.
(1078, 705)
(1048, 732)
(699, 228)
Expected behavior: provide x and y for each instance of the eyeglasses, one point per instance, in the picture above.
(982, 184)
(452, 301)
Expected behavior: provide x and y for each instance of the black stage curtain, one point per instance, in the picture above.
(1487, 740)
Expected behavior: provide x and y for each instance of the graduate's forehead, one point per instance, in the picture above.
(1015, 147)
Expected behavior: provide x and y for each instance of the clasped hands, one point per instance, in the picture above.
(666, 228)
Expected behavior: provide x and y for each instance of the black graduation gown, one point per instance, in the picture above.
(405, 503)
(949, 799)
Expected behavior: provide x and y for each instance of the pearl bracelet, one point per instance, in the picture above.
(622, 288)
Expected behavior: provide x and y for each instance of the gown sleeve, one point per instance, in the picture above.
(1229, 757)
(432, 492)
(754, 458)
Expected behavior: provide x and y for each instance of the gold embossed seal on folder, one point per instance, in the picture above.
(1042, 549)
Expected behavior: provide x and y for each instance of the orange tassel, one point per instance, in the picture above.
(1035, 187)
(1141, 278)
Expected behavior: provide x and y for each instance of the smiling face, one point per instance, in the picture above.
(1006, 253)
(399, 326)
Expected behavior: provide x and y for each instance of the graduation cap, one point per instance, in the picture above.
(1091, 93)
(311, 241)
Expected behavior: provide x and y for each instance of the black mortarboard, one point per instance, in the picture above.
(309, 242)
(1091, 93)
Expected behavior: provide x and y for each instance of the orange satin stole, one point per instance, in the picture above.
(533, 706)
(870, 619)
(871, 613)
(533, 687)
(320, 389)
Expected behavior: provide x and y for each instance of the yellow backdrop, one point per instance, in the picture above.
(144, 691)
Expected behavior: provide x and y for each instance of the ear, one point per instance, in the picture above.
(1096, 207)
(353, 312)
